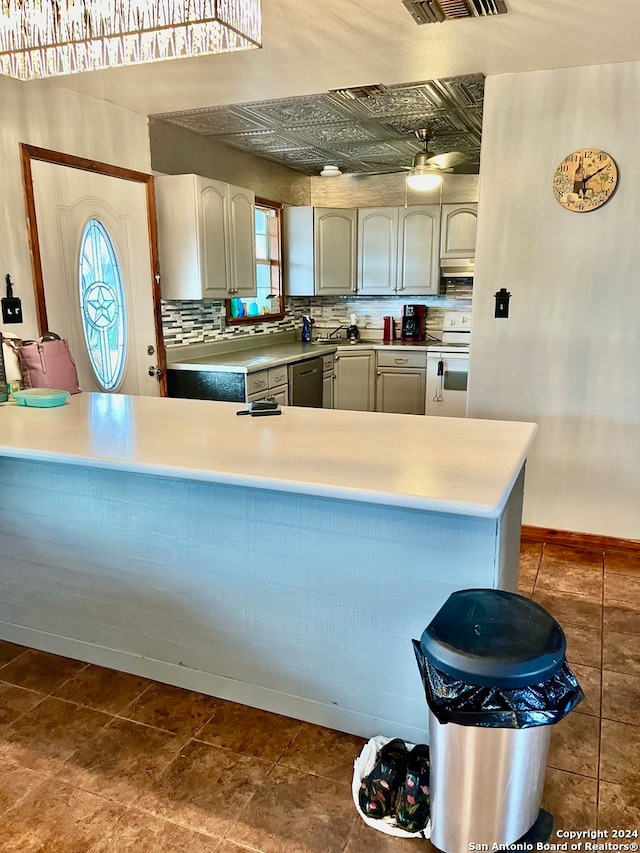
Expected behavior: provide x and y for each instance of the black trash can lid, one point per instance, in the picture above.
(494, 639)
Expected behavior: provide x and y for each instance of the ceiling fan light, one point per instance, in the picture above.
(419, 180)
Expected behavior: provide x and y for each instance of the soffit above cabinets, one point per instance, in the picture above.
(367, 130)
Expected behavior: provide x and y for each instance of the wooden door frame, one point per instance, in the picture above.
(29, 153)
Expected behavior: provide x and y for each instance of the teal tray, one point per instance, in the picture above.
(41, 398)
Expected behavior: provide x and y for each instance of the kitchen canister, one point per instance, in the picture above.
(389, 329)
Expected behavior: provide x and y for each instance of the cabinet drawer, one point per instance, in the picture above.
(278, 376)
(401, 358)
(327, 363)
(257, 381)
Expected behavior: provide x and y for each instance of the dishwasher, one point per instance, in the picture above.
(305, 383)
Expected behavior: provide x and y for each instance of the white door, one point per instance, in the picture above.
(96, 267)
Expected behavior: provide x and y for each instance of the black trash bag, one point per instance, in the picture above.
(454, 701)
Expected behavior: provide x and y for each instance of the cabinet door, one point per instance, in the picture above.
(327, 390)
(214, 239)
(419, 250)
(400, 391)
(377, 251)
(335, 232)
(179, 236)
(242, 244)
(279, 395)
(257, 383)
(458, 239)
(354, 381)
(299, 263)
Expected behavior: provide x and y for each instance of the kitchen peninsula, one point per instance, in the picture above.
(281, 562)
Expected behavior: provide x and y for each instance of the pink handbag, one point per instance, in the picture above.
(48, 363)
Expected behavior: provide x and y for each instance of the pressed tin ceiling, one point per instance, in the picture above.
(370, 129)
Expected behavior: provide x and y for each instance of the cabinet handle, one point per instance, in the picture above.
(378, 373)
(401, 360)
(260, 383)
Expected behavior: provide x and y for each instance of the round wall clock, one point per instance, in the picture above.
(585, 180)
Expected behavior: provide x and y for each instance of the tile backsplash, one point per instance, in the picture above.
(203, 321)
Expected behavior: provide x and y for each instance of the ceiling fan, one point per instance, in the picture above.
(426, 169)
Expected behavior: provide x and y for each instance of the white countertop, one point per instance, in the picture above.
(251, 359)
(455, 465)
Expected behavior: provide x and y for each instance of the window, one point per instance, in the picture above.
(269, 302)
(102, 305)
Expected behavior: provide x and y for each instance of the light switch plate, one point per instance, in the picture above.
(11, 310)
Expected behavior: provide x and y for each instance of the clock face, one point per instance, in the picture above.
(585, 180)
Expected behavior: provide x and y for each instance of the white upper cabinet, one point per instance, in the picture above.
(206, 239)
(418, 250)
(377, 250)
(398, 251)
(458, 235)
(320, 251)
(242, 242)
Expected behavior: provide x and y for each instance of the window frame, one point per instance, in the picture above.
(275, 263)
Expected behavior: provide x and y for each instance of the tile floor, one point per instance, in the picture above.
(93, 760)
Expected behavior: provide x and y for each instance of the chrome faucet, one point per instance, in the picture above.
(335, 331)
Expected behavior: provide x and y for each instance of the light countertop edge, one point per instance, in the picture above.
(448, 465)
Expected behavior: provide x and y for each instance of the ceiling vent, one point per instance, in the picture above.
(359, 93)
(436, 11)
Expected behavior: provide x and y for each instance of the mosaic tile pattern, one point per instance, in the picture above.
(196, 322)
(361, 134)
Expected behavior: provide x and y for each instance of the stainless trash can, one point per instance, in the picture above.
(495, 675)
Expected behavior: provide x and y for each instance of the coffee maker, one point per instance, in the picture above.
(413, 322)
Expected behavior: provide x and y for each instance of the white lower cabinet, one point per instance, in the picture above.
(327, 381)
(400, 382)
(354, 380)
(269, 384)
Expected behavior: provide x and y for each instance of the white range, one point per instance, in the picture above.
(448, 367)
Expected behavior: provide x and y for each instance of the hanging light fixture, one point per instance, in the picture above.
(47, 38)
(424, 174)
(330, 172)
(423, 179)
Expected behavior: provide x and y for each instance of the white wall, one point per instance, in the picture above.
(176, 150)
(63, 121)
(568, 357)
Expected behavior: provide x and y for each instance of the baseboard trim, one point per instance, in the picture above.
(579, 540)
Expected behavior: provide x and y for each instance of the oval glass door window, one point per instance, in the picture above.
(102, 305)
